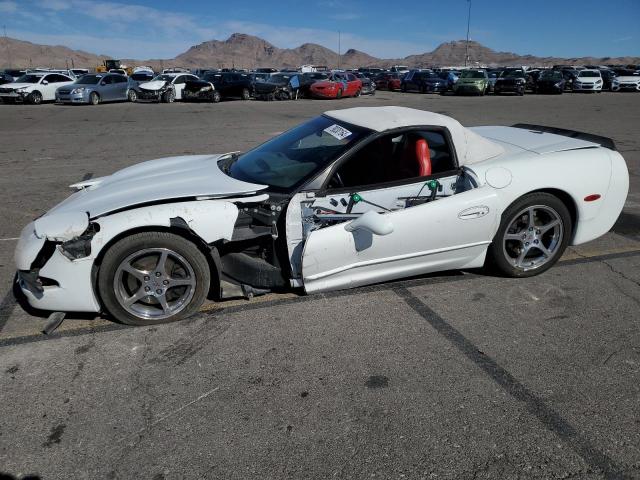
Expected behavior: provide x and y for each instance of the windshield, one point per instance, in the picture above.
(512, 74)
(287, 160)
(89, 79)
(551, 75)
(586, 73)
(471, 74)
(29, 79)
(213, 77)
(164, 78)
(279, 78)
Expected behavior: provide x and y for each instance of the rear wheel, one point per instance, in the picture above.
(358, 93)
(246, 94)
(153, 277)
(339, 94)
(94, 98)
(533, 234)
(132, 96)
(215, 98)
(34, 98)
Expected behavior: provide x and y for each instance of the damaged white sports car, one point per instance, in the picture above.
(349, 198)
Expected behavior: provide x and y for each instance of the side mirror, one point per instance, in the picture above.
(371, 222)
(103, 83)
(45, 82)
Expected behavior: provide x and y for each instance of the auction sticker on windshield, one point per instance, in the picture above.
(337, 131)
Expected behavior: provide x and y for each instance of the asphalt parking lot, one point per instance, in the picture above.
(453, 376)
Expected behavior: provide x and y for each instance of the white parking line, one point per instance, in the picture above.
(9, 239)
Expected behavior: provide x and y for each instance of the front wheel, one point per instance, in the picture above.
(132, 96)
(34, 98)
(94, 98)
(153, 277)
(169, 97)
(215, 98)
(532, 236)
(246, 94)
(339, 94)
(358, 93)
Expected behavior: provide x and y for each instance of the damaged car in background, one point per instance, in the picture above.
(201, 90)
(278, 86)
(165, 88)
(349, 198)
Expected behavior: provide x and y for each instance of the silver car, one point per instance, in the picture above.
(95, 88)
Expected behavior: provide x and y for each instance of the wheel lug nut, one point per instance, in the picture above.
(146, 289)
(166, 282)
(526, 244)
(159, 291)
(538, 232)
(158, 274)
(535, 241)
(146, 278)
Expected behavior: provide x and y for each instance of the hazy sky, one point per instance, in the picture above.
(162, 28)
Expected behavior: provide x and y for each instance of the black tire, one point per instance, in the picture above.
(132, 96)
(246, 94)
(358, 93)
(94, 98)
(128, 246)
(339, 94)
(215, 98)
(403, 88)
(496, 254)
(168, 97)
(34, 98)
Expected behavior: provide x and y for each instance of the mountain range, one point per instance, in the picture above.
(246, 51)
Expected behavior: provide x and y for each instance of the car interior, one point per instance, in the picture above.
(396, 157)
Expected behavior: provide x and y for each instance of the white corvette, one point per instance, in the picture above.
(349, 198)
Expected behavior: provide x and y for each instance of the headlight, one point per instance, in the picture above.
(598, 82)
(21, 90)
(78, 90)
(206, 89)
(559, 84)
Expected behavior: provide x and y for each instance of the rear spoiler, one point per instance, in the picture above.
(587, 137)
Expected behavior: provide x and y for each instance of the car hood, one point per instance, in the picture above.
(627, 78)
(470, 80)
(15, 86)
(588, 79)
(154, 85)
(155, 181)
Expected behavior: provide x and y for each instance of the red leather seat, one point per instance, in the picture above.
(423, 155)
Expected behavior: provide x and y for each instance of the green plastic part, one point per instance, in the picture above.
(432, 184)
(356, 198)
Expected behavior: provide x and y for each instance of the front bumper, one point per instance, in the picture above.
(467, 88)
(13, 95)
(199, 95)
(51, 281)
(508, 88)
(149, 95)
(71, 98)
(627, 87)
(586, 87)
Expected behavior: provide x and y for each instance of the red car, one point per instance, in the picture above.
(389, 81)
(338, 85)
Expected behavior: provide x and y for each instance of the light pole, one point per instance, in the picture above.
(339, 54)
(466, 55)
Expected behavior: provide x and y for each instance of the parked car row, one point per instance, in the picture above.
(143, 85)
